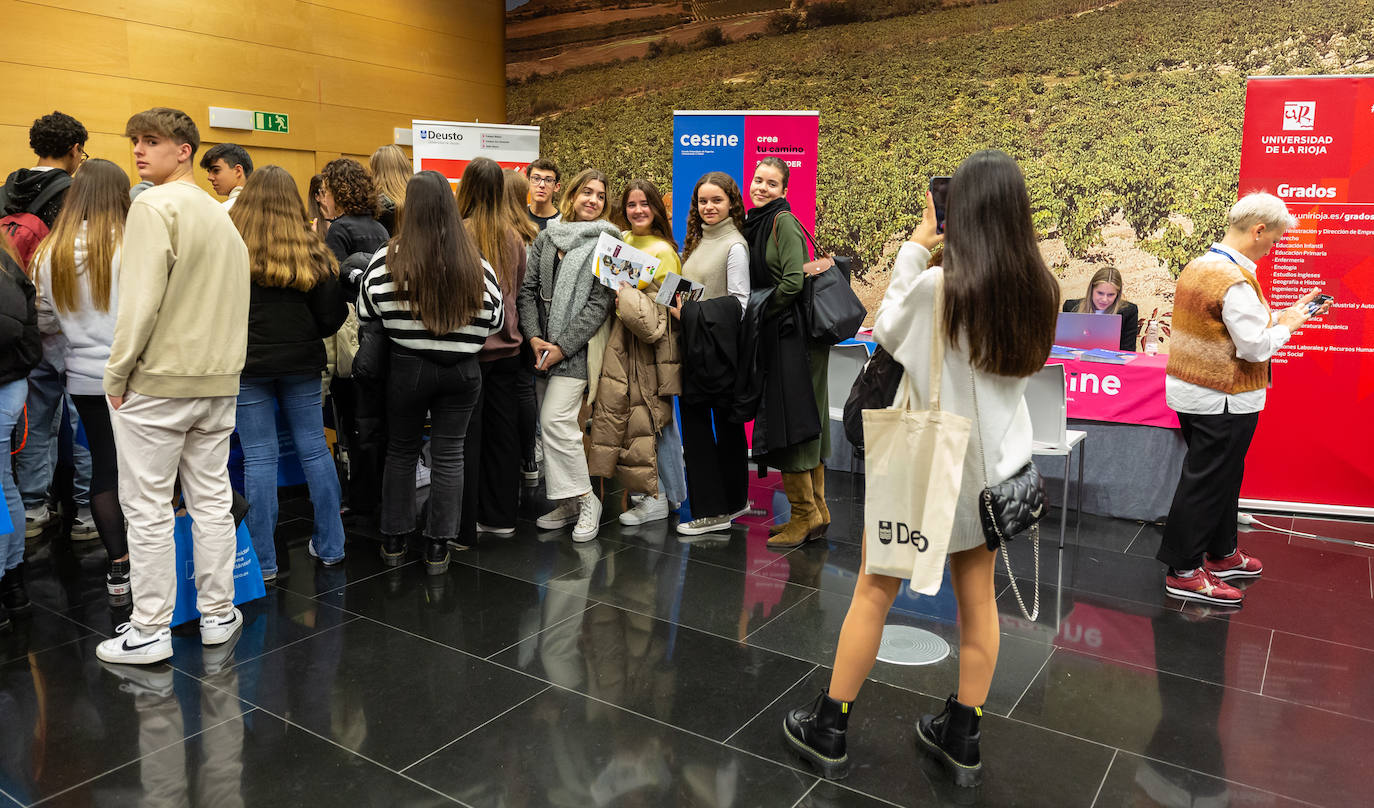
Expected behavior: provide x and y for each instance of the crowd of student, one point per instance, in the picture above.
(475, 318)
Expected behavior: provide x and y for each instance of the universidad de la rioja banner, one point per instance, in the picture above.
(735, 142)
(1310, 140)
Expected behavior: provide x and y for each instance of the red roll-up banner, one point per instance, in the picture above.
(1310, 141)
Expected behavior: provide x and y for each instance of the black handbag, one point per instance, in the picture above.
(372, 361)
(875, 389)
(1009, 509)
(833, 312)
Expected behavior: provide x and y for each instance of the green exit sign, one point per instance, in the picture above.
(271, 122)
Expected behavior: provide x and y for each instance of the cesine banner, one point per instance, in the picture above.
(1310, 140)
(448, 147)
(735, 142)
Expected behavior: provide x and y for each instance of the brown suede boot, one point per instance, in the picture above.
(818, 488)
(805, 519)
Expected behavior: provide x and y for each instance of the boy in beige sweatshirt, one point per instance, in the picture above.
(180, 337)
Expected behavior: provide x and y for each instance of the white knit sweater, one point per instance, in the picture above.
(1002, 424)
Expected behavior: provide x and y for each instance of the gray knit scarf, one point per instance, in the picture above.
(573, 286)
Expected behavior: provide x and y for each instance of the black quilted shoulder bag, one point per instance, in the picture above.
(1009, 509)
(875, 389)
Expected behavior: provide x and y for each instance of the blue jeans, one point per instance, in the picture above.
(12, 396)
(35, 463)
(299, 398)
(671, 472)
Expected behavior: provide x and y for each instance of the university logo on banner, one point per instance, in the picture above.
(1299, 116)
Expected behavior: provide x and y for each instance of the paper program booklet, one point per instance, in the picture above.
(617, 262)
(677, 290)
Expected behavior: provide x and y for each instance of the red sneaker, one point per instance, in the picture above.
(1236, 565)
(1203, 586)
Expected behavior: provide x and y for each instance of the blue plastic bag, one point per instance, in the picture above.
(248, 583)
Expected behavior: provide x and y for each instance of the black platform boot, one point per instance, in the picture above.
(436, 556)
(394, 549)
(12, 591)
(817, 734)
(952, 738)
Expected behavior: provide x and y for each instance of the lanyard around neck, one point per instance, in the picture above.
(1224, 254)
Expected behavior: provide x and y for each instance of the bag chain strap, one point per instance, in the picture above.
(1035, 529)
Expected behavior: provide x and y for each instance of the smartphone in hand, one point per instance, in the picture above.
(1317, 302)
(939, 194)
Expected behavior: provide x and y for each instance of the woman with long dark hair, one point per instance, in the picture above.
(438, 301)
(296, 303)
(634, 435)
(491, 496)
(562, 308)
(517, 212)
(715, 448)
(778, 254)
(76, 270)
(998, 319)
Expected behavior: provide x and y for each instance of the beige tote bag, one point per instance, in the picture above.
(914, 464)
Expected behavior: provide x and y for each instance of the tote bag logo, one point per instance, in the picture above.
(1299, 115)
(887, 531)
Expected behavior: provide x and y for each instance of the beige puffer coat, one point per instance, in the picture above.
(640, 374)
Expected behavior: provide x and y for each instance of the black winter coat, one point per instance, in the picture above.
(355, 233)
(20, 345)
(773, 382)
(286, 328)
(710, 351)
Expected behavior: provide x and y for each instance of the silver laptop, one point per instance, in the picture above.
(1088, 331)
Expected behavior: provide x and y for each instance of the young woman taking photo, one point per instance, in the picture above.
(76, 270)
(439, 302)
(777, 249)
(716, 450)
(997, 322)
(634, 435)
(491, 496)
(1106, 295)
(296, 303)
(562, 307)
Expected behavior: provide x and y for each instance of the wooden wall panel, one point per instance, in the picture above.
(346, 71)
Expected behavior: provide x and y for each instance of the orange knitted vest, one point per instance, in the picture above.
(1200, 348)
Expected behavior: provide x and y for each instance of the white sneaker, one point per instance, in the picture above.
(218, 630)
(83, 526)
(565, 514)
(648, 509)
(495, 531)
(129, 646)
(36, 521)
(589, 518)
(706, 524)
(422, 475)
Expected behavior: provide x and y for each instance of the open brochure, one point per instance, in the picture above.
(617, 262)
(677, 290)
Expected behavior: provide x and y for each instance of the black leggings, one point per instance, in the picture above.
(105, 509)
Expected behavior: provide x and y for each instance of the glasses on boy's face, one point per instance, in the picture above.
(84, 156)
(537, 180)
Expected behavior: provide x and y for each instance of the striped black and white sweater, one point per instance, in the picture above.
(378, 299)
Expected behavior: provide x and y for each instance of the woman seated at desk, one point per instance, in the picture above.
(1104, 297)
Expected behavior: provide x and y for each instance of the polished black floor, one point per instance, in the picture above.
(639, 670)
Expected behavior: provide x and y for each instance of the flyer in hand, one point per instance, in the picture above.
(617, 262)
(676, 290)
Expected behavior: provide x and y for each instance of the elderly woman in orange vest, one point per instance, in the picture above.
(1224, 335)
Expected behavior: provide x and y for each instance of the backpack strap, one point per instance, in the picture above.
(50, 193)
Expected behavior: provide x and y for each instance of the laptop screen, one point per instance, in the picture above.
(1088, 331)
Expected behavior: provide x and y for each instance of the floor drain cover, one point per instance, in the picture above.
(906, 645)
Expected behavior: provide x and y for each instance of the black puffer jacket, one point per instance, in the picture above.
(286, 328)
(25, 185)
(20, 345)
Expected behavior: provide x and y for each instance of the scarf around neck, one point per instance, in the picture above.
(573, 284)
(758, 230)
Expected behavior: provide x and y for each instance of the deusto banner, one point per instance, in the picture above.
(448, 146)
(1310, 140)
(734, 142)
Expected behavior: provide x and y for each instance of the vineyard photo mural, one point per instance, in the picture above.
(1124, 114)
